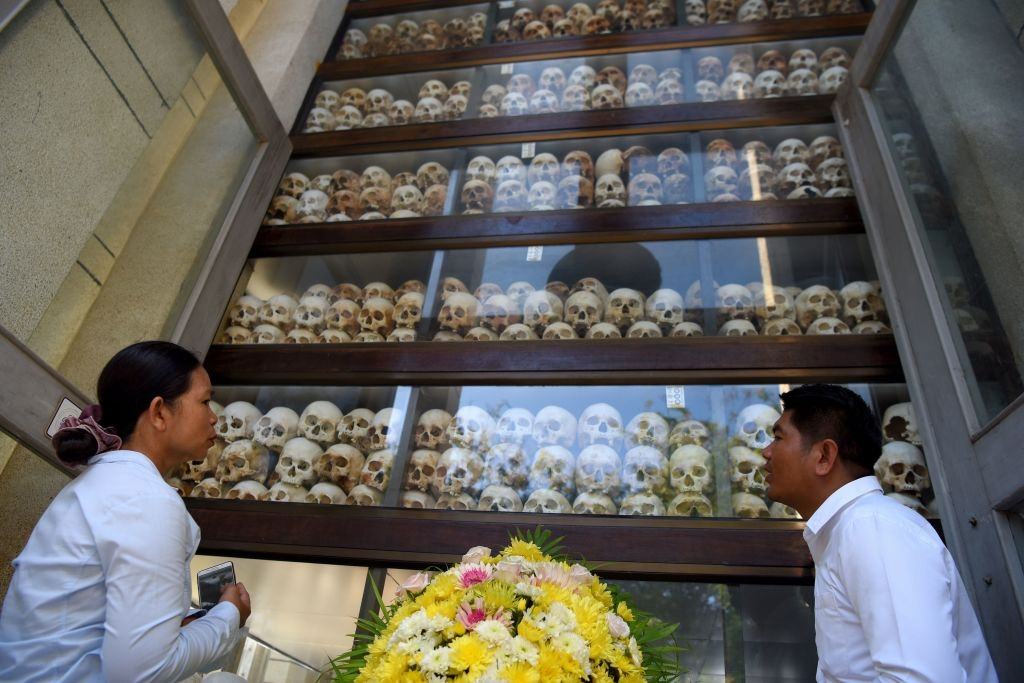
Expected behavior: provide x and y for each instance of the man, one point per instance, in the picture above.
(889, 604)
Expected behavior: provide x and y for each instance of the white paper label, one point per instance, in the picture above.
(506, 4)
(507, 69)
(675, 397)
(65, 409)
(529, 150)
(535, 253)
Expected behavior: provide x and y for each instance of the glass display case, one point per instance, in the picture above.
(644, 450)
(814, 285)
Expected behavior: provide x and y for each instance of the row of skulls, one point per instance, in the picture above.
(346, 195)
(772, 75)
(607, 16)
(356, 108)
(584, 89)
(792, 170)
(408, 35)
(700, 12)
(636, 177)
(902, 469)
(328, 315)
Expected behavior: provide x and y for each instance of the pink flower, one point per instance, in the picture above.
(550, 572)
(509, 569)
(469, 615)
(414, 584)
(617, 626)
(476, 554)
(472, 574)
(580, 575)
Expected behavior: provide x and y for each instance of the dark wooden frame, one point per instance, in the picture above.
(676, 118)
(700, 360)
(659, 39)
(661, 548)
(769, 218)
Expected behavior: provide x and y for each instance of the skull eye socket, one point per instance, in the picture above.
(745, 468)
(699, 471)
(919, 470)
(749, 427)
(897, 468)
(374, 466)
(239, 463)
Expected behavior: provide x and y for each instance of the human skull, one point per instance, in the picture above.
(544, 167)
(297, 464)
(376, 472)
(237, 421)
(455, 106)
(417, 500)
(708, 91)
(802, 82)
(600, 424)
(737, 86)
(691, 469)
(553, 468)
(643, 330)
(902, 469)
(899, 423)
(779, 305)
(377, 316)
(500, 498)
(541, 309)
(518, 332)
(518, 291)
(354, 428)
(547, 501)
(515, 426)
(669, 91)
(207, 488)
(606, 96)
(644, 470)
(407, 197)
(625, 307)
(574, 192)
(790, 151)
(594, 504)
(243, 459)
(721, 180)
(665, 308)
(860, 302)
(610, 188)
(746, 470)
(195, 471)
(690, 504)
(643, 504)
(510, 196)
(507, 465)
(431, 429)
(364, 496)
(459, 312)
(639, 95)
(325, 493)
(459, 471)
(319, 422)
(247, 490)
(409, 310)
(472, 427)
(737, 328)
(554, 426)
(872, 327)
(576, 98)
(598, 470)
(647, 429)
(833, 173)
(583, 310)
(341, 464)
(817, 301)
(245, 311)
(293, 185)
(344, 315)
(644, 187)
(542, 196)
(734, 302)
(275, 428)
(310, 314)
(753, 10)
(235, 335)
(687, 329)
(749, 506)
(770, 83)
(832, 79)
(428, 110)
(781, 511)
(689, 432)
(278, 311)
(385, 429)
(268, 334)
(755, 425)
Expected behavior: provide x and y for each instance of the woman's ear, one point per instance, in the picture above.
(158, 414)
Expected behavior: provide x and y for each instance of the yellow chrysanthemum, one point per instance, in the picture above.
(520, 673)
(524, 549)
(622, 609)
(556, 665)
(550, 594)
(527, 629)
(496, 594)
(470, 653)
(601, 593)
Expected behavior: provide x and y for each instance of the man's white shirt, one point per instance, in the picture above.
(889, 604)
(100, 589)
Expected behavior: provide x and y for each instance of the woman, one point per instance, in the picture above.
(101, 590)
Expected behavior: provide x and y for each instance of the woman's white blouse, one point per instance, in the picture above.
(101, 588)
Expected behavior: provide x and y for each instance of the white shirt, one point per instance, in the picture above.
(100, 589)
(889, 604)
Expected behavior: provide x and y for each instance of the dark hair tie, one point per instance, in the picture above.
(89, 422)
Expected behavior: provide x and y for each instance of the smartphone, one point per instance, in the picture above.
(211, 582)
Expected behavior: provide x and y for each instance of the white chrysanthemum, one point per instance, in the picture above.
(437, 661)
(634, 652)
(575, 646)
(523, 650)
(528, 590)
(492, 632)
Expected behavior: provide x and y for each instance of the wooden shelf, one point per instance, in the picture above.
(769, 218)
(701, 360)
(627, 547)
(613, 43)
(676, 118)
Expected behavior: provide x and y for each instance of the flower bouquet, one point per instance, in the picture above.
(525, 615)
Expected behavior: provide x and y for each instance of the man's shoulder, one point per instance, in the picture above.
(873, 515)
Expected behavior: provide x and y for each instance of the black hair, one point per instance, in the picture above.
(127, 385)
(827, 411)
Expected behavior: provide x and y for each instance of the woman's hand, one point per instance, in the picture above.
(236, 594)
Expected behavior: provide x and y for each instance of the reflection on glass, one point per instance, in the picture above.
(441, 29)
(963, 176)
(692, 451)
(761, 286)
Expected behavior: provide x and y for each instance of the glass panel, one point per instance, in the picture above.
(308, 611)
(441, 29)
(689, 451)
(769, 286)
(960, 167)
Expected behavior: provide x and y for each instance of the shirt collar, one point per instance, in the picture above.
(125, 456)
(839, 499)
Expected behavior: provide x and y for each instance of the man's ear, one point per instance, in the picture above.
(826, 457)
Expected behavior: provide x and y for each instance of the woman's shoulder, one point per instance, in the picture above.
(126, 482)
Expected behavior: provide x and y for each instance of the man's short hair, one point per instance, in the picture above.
(827, 411)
